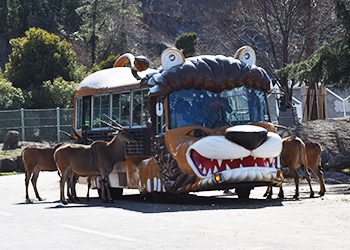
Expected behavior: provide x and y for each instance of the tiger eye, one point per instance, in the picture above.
(198, 133)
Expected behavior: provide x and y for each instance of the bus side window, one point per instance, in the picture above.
(116, 107)
(86, 112)
(104, 109)
(79, 114)
(137, 108)
(96, 111)
(125, 109)
(145, 112)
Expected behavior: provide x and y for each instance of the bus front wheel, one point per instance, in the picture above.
(116, 193)
(243, 193)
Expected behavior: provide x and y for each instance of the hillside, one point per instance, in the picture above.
(161, 23)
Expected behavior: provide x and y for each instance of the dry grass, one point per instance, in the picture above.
(13, 153)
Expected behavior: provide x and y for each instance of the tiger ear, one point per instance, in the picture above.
(171, 57)
(246, 54)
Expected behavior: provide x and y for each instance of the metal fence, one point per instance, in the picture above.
(37, 124)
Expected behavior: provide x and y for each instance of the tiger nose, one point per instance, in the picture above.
(248, 136)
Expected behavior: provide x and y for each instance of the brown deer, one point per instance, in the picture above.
(96, 159)
(36, 159)
(296, 154)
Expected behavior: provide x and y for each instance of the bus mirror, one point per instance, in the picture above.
(159, 109)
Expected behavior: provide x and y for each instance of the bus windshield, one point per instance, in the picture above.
(209, 109)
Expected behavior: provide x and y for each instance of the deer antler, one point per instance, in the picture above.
(76, 134)
(66, 134)
(114, 122)
(109, 125)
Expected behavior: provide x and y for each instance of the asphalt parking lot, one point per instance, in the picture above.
(204, 220)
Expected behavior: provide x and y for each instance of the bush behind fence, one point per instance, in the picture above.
(37, 124)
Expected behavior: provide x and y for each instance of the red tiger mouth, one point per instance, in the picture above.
(207, 166)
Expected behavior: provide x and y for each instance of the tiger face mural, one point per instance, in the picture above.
(217, 134)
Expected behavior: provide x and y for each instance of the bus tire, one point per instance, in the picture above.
(155, 197)
(116, 193)
(243, 193)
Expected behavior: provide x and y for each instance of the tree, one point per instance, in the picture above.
(187, 43)
(109, 63)
(38, 57)
(281, 32)
(105, 25)
(59, 93)
(10, 97)
(330, 64)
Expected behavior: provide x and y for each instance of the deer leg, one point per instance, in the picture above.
(28, 175)
(88, 191)
(69, 188)
(319, 173)
(62, 182)
(103, 189)
(268, 193)
(34, 180)
(281, 193)
(307, 175)
(108, 188)
(295, 175)
(74, 180)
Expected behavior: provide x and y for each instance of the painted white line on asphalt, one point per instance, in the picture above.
(108, 235)
(6, 214)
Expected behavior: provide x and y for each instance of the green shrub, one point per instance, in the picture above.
(10, 97)
(187, 43)
(38, 57)
(59, 93)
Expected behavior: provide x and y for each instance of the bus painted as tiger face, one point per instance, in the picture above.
(200, 123)
(217, 134)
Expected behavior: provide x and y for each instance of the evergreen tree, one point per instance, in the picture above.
(330, 64)
(10, 97)
(38, 57)
(187, 43)
(104, 25)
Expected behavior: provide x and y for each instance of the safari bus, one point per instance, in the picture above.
(199, 123)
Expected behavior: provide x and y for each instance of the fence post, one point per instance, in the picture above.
(58, 125)
(22, 124)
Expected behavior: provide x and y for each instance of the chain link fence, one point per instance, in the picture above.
(37, 125)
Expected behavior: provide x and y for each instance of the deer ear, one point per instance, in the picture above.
(172, 57)
(246, 54)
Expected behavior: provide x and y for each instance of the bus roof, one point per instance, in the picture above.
(108, 80)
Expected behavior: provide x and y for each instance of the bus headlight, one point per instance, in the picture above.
(218, 177)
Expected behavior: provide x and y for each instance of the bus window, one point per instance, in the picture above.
(104, 109)
(96, 114)
(116, 107)
(145, 112)
(125, 109)
(86, 112)
(137, 108)
(228, 108)
(140, 108)
(101, 106)
(79, 114)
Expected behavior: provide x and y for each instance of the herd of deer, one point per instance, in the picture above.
(98, 158)
(75, 159)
